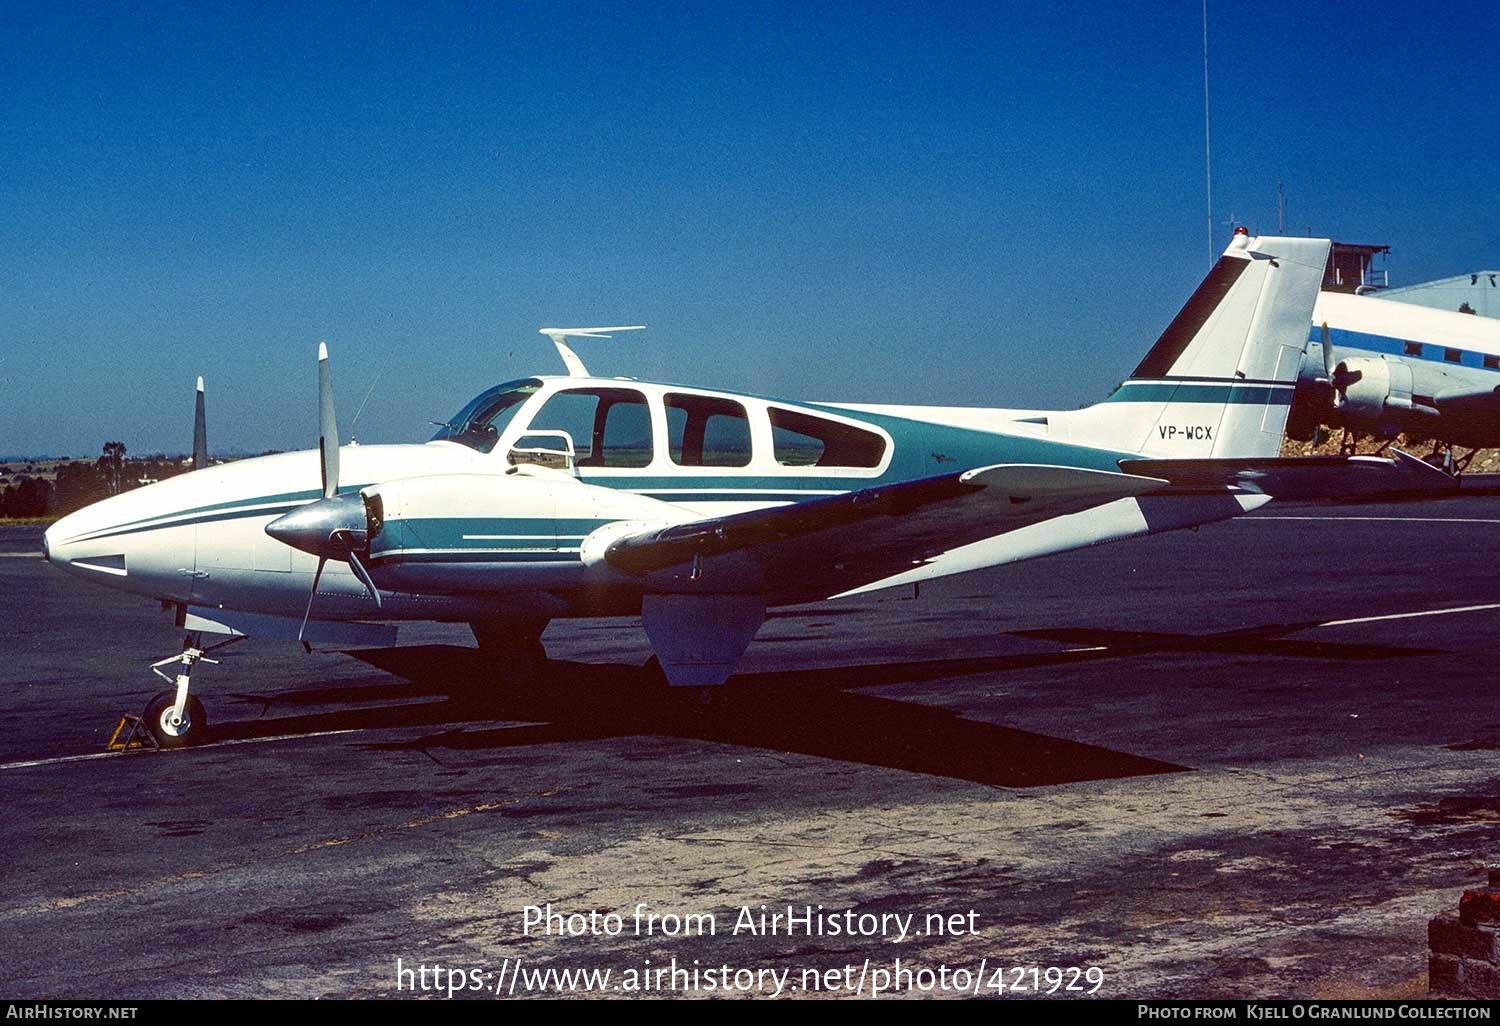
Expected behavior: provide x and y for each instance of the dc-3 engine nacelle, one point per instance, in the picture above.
(1374, 394)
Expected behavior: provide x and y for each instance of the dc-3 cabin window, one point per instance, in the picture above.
(802, 440)
(706, 431)
(610, 427)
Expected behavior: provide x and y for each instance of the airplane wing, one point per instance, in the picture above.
(1302, 477)
(822, 547)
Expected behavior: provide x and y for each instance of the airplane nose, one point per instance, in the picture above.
(54, 550)
(73, 544)
(59, 545)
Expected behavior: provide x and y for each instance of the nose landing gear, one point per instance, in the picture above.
(175, 718)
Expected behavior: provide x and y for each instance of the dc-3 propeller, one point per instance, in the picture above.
(1337, 376)
(335, 526)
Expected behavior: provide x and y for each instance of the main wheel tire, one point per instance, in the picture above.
(512, 652)
(525, 663)
(193, 730)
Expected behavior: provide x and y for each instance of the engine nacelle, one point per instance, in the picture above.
(524, 529)
(1373, 394)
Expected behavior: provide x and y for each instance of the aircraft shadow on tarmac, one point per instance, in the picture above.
(813, 712)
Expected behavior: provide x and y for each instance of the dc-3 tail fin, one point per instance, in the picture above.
(1219, 381)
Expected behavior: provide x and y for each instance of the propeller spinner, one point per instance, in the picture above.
(1337, 375)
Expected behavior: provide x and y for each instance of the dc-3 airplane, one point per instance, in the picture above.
(698, 509)
(1379, 367)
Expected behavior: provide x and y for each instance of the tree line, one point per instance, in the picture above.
(81, 482)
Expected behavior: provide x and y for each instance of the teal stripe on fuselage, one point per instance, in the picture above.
(264, 505)
(446, 556)
(680, 494)
(925, 449)
(467, 534)
(207, 518)
(1202, 392)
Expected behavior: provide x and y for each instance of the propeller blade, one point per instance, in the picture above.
(328, 428)
(200, 431)
(1328, 362)
(317, 576)
(364, 576)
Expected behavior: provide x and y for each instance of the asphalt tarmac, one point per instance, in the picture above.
(1250, 760)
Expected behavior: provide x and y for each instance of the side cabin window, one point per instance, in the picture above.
(706, 431)
(610, 427)
(804, 440)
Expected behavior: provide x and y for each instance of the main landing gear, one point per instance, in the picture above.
(512, 649)
(175, 718)
(1349, 444)
(1443, 458)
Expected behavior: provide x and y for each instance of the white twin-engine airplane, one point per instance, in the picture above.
(698, 509)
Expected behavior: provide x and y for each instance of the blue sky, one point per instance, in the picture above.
(988, 204)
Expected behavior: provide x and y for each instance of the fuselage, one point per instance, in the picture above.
(643, 452)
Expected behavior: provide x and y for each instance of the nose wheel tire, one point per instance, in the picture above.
(192, 730)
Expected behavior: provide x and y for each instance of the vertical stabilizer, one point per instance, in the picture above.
(1219, 380)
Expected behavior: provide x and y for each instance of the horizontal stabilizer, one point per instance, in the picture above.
(1471, 401)
(1303, 477)
(825, 546)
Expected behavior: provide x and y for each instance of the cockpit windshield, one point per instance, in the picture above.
(479, 424)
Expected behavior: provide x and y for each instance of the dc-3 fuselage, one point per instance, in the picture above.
(697, 509)
(1379, 367)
